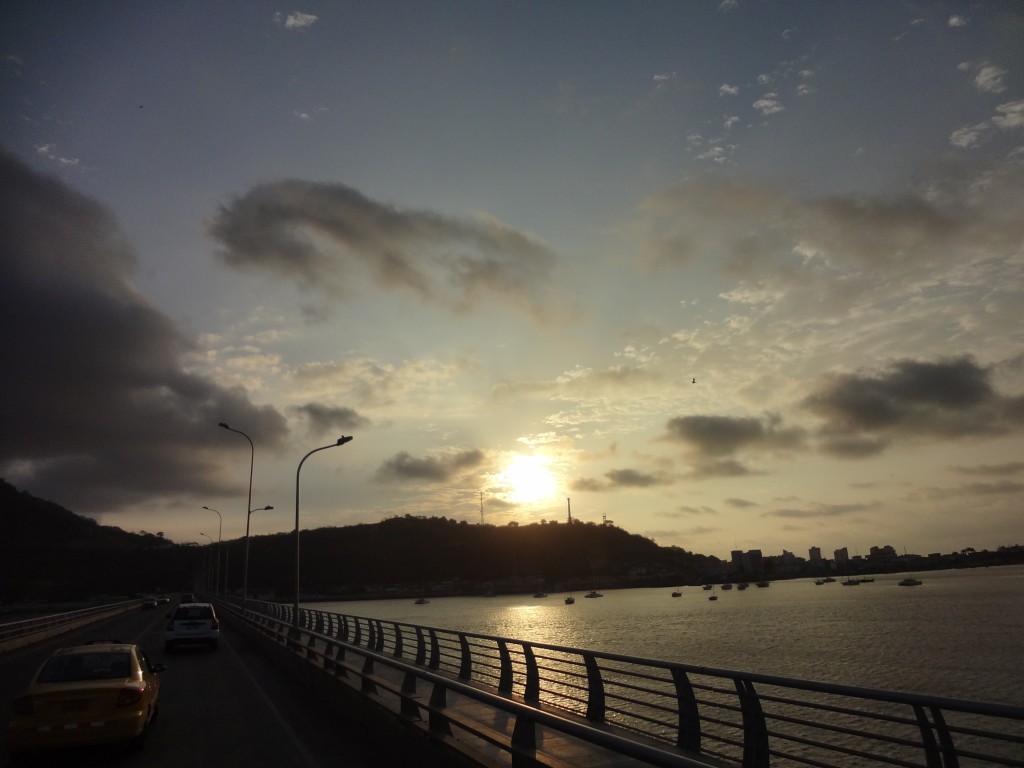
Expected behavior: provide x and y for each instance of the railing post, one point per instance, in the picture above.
(466, 664)
(755, 731)
(371, 631)
(595, 689)
(934, 757)
(366, 684)
(379, 644)
(688, 734)
(421, 647)
(435, 651)
(505, 680)
(357, 638)
(438, 721)
(524, 742)
(409, 707)
(397, 653)
(343, 629)
(532, 692)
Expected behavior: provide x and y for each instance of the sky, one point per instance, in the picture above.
(730, 274)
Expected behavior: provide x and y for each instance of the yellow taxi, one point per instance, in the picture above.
(98, 693)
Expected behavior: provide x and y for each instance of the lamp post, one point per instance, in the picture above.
(207, 559)
(220, 530)
(295, 608)
(245, 578)
(248, 506)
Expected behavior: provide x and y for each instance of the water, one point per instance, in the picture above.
(960, 634)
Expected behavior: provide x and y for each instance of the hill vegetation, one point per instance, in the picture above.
(50, 553)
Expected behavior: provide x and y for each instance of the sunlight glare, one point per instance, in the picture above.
(528, 480)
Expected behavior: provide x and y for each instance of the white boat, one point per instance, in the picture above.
(593, 593)
(910, 581)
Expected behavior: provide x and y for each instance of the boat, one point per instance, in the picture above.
(910, 581)
(764, 584)
(420, 601)
(593, 593)
(540, 594)
(742, 585)
(712, 596)
(677, 592)
(707, 587)
(569, 599)
(867, 579)
(818, 582)
(727, 585)
(828, 580)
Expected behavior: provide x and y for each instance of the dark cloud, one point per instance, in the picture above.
(324, 237)
(820, 510)
(323, 419)
(714, 436)
(621, 478)
(97, 408)
(992, 470)
(438, 469)
(740, 503)
(950, 398)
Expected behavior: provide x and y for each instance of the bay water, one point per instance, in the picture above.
(960, 634)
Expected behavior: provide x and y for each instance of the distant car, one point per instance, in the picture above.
(149, 602)
(192, 623)
(162, 599)
(100, 693)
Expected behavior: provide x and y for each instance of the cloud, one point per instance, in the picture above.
(623, 478)
(324, 237)
(819, 510)
(717, 436)
(323, 419)
(769, 104)
(728, 90)
(434, 469)
(1008, 116)
(990, 78)
(948, 399)
(49, 151)
(98, 409)
(992, 470)
(296, 20)
(955, 21)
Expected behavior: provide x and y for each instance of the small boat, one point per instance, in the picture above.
(848, 582)
(828, 580)
(677, 593)
(707, 587)
(569, 599)
(867, 579)
(593, 593)
(420, 601)
(540, 594)
(727, 585)
(764, 584)
(742, 585)
(818, 582)
(910, 581)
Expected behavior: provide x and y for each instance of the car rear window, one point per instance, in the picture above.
(86, 666)
(193, 612)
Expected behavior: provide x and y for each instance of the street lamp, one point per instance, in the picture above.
(248, 506)
(207, 559)
(245, 577)
(295, 608)
(220, 530)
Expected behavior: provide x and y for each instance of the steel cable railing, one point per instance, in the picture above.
(740, 718)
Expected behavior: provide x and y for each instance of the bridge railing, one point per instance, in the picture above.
(14, 634)
(721, 716)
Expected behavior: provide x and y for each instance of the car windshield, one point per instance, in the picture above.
(193, 612)
(86, 666)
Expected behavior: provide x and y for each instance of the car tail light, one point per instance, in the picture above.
(128, 696)
(23, 705)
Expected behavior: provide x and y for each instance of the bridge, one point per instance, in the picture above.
(324, 688)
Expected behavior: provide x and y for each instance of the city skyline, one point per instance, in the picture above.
(727, 273)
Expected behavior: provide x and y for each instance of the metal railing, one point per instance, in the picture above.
(660, 712)
(14, 634)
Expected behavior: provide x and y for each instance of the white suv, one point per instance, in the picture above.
(192, 623)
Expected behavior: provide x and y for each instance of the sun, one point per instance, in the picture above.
(528, 480)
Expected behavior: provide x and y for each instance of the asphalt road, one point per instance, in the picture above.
(220, 708)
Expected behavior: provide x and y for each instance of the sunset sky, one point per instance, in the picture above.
(731, 274)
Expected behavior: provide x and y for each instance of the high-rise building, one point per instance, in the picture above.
(814, 554)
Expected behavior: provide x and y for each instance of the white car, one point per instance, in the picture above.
(192, 623)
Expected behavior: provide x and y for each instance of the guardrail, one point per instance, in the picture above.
(15, 634)
(657, 712)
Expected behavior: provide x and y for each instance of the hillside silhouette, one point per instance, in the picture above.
(50, 553)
